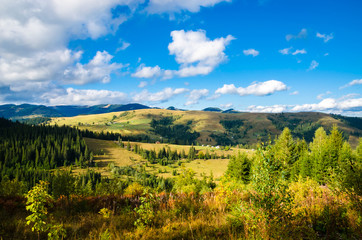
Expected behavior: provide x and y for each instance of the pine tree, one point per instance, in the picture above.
(318, 155)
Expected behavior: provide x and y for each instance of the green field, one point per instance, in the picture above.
(108, 152)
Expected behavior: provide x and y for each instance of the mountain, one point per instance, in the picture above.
(25, 111)
(71, 111)
(230, 111)
(212, 109)
(12, 111)
(175, 109)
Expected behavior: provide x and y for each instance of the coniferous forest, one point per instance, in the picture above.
(285, 189)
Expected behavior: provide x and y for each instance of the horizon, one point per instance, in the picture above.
(268, 56)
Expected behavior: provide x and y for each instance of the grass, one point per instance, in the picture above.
(108, 152)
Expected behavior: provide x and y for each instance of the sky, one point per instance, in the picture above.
(249, 55)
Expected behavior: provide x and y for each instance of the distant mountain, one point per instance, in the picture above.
(230, 111)
(172, 108)
(13, 111)
(212, 109)
(71, 111)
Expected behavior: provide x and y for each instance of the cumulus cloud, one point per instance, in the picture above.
(352, 83)
(147, 72)
(17, 71)
(197, 54)
(349, 105)
(251, 51)
(98, 69)
(313, 65)
(171, 6)
(332, 105)
(195, 95)
(72, 96)
(302, 34)
(161, 96)
(325, 37)
(267, 109)
(35, 35)
(258, 89)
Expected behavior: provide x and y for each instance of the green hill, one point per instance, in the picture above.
(214, 128)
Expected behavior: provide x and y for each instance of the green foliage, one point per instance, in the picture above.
(27, 153)
(186, 182)
(37, 198)
(12, 187)
(232, 125)
(144, 211)
(174, 133)
(105, 212)
(37, 201)
(106, 235)
(239, 168)
(135, 189)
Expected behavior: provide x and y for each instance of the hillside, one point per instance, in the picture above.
(27, 111)
(214, 128)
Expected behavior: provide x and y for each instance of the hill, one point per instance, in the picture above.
(27, 111)
(12, 111)
(213, 128)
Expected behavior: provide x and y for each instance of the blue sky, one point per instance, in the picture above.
(250, 55)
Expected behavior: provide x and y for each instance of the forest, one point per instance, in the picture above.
(287, 188)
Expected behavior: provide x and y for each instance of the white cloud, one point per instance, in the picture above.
(83, 97)
(98, 69)
(299, 51)
(267, 109)
(285, 51)
(294, 93)
(226, 105)
(350, 106)
(197, 54)
(302, 34)
(35, 35)
(352, 83)
(147, 72)
(313, 65)
(171, 6)
(251, 51)
(321, 96)
(17, 71)
(325, 37)
(123, 45)
(258, 89)
(195, 95)
(161, 96)
(142, 84)
(325, 104)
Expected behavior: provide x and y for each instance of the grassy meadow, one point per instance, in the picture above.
(109, 152)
